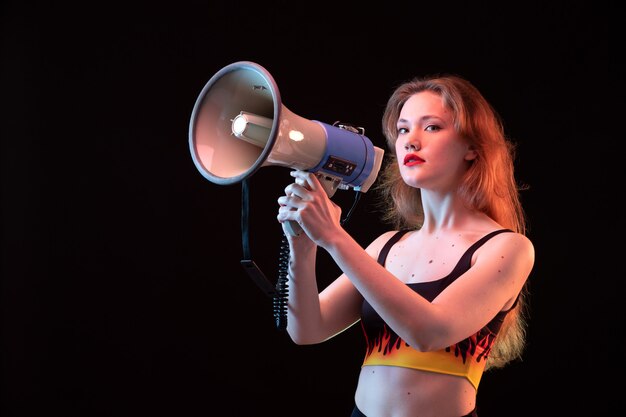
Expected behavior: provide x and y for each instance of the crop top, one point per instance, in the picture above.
(466, 358)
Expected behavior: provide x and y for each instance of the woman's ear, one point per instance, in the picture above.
(471, 154)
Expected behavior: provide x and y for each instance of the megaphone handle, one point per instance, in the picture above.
(293, 228)
(330, 186)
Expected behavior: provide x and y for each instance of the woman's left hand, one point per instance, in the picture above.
(307, 203)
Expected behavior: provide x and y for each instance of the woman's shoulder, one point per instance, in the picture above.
(516, 238)
(510, 244)
(491, 235)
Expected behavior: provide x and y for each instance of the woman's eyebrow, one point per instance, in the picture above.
(421, 119)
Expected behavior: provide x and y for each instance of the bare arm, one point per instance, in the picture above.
(314, 317)
(499, 271)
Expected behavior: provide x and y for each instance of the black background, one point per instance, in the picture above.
(122, 292)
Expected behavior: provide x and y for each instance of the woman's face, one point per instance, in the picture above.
(430, 152)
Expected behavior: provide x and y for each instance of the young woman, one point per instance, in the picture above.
(440, 298)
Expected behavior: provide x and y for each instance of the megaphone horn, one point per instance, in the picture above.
(239, 124)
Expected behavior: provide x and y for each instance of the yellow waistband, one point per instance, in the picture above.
(440, 361)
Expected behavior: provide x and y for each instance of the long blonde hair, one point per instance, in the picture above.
(489, 185)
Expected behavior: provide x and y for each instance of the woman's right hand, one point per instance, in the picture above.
(291, 228)
(306, 203)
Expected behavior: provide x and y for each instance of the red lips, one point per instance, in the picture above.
(412, 159)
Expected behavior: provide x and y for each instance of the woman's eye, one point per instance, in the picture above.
(432, 128)
(402, 130)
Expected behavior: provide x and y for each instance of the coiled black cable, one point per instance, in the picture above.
(281, 295)
(282, 286)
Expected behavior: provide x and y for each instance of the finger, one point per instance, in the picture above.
(283, 214)
(296, 190)
(290, 202)
(306, 179)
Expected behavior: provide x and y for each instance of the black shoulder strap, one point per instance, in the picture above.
(382, 256)
(484, 239)
(467, 256)
(466, 260)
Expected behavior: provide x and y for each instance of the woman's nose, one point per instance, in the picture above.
(412, 146)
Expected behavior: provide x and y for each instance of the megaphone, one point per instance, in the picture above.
(239, 124)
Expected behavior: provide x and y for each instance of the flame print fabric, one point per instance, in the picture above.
(465, 358)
